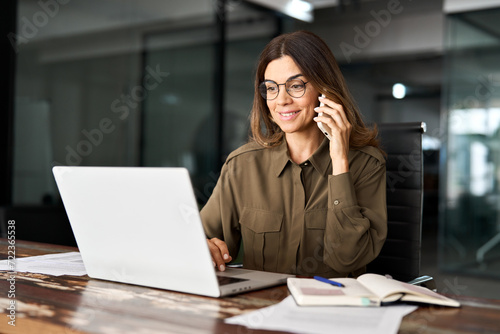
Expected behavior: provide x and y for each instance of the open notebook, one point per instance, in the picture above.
(366, 290)
(142, 226)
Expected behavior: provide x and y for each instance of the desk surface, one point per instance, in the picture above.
(78, 304)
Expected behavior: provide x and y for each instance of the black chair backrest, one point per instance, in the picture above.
(400, 255)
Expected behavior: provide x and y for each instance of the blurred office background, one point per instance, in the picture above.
(170, 83)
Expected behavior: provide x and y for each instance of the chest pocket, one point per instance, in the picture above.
(260, 231)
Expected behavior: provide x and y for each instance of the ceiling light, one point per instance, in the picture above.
(399, 91)
(299, 6)
(299, 9)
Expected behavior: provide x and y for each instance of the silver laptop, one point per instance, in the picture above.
(141, 225)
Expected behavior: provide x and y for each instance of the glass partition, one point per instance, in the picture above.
(470, 171)
(130, 83)
(180, 122)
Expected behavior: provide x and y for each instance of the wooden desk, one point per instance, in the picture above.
(78, 304)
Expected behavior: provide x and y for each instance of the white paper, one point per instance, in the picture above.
(69, 263)
(288, 316)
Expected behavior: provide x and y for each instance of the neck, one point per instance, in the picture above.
(302, 146)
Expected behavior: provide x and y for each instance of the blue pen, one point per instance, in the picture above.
(329, 281)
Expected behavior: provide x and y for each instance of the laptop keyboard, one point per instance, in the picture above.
(223, 280)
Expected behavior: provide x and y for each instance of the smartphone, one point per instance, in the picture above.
(324, 128)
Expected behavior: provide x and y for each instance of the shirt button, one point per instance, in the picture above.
(336, 202)
(305, 164)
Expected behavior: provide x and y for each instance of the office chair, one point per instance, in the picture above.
(400, 255)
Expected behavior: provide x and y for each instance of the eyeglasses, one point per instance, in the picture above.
(294, 87)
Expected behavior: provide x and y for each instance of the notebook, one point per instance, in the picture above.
(141, 225)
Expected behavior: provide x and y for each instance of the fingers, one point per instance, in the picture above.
(219, 252)
(336, 112)
(335, 118)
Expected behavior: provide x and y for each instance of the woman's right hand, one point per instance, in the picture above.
(219, 252)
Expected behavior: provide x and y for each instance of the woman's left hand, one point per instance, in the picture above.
(335, 118)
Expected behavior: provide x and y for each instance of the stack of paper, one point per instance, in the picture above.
(52, 264)
(288, 316)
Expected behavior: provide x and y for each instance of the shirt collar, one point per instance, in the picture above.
(280, 158)
(320, 159)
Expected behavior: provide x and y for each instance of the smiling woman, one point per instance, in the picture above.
(314, 61)
(293, 113)
(297, 202)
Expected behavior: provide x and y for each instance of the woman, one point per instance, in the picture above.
(296, 201)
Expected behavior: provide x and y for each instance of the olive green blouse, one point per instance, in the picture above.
(300, 219)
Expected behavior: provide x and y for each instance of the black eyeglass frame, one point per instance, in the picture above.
(263, 88)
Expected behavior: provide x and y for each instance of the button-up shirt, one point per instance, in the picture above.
(298, 218)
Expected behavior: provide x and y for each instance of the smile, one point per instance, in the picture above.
(288, 114)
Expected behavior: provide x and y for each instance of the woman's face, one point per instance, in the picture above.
(292, 115)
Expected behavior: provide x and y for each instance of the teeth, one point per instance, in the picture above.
(289, 113)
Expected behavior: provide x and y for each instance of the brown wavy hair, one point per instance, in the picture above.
(318, 64)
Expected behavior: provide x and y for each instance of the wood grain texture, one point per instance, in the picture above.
(78, 304)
